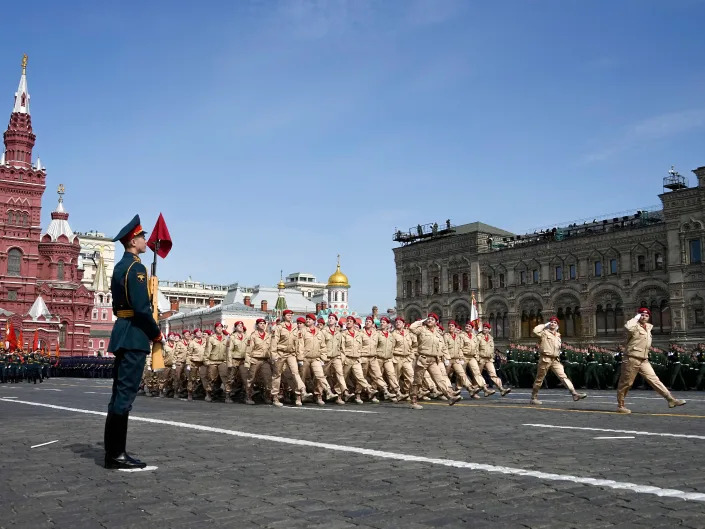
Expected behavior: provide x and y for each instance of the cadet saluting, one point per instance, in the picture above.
(130, 341)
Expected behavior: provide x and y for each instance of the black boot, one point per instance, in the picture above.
(115, 454)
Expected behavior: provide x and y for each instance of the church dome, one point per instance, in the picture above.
(338, 279)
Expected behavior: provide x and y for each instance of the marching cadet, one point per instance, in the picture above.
(131, 339)
(368, 359)
(549, 360)
(195, 363)
(257, 361)
(385, 357)
(283, 354)
(320, 324)
(216, 356)
(236, 357)
(166, 374)
(311, 351)
(403, 355)
(330, 338)
(472, 356)
(430, 359)
(636, 361)
(454, 343)
(485, 347)
(180, 354)
(350, 341)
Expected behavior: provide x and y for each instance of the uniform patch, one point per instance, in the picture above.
(141, 277)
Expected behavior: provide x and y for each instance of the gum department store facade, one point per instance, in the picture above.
(592, 275)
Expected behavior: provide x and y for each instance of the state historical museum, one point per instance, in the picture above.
(40, 281)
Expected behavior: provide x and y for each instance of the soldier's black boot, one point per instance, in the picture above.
(115, 455)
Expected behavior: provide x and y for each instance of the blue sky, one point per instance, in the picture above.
(275, 135)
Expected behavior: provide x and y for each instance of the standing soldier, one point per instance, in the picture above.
(283, 353)
(167, 372)
(311, 349)
(385, 357)
(217, 361)
(472, 356)
(485, 346)
(180, 362)
(237, 346)
(403, 355)
(195, 363)
(431, 350)
(455, 340)
(257, 361)
(636, 362)
(550, 353)
(130, 341)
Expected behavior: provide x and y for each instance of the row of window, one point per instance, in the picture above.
(103, 314)
(18, 218)
(14, 264)
(101, 344)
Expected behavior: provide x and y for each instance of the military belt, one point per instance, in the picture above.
(128, 313)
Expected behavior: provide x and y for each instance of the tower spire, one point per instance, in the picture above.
(22, 95)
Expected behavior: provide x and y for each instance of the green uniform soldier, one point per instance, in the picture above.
(130, 341)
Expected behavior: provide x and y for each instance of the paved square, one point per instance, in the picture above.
(489, 463)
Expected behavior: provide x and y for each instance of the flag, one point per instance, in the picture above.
(35, 343)
(7, 335)
(474, 315)
(160, 233)
(58, 351)
(11, 338)
(20, 341)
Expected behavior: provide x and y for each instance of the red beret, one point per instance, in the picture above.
(486, 326)
(644, 310)
(258, 320)
(384, 318)
(433, 315)
(186, 331)
(441, 327)
(177, 336)
(342, 322)
(300, 319)
(311, 316)
(370, 318)
(334, 315)
(399, 318)
(452, 322)
(553, 318)
(170, 335)
(320, 320)
(287, 311)
(208, 332)
(196, 330)
(218, 324)
(358, 321)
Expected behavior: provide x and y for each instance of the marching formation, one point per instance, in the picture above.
(347, 360)
(21, 366)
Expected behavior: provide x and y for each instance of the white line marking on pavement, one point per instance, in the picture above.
(326, 409)
(595, 482)
(635, 432)
(98, 392)
(9, 397)
(47, 389)
(617, 437)
(148, 468)
(44, 444)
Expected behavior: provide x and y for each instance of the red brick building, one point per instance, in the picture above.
(40, 283)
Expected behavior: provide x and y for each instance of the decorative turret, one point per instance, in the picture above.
(338, 286)
(59, 246)
(19, 139)
(59, 224)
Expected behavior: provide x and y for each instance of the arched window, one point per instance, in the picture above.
(60, 270)
(525, 329)
(456, 283)
(466, 284)
(14, 262)
(408, 292)
(417, 287)
(436, 285)
(62, 335)
(25, 219)
(10, 217)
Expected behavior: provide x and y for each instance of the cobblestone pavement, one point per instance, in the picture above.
(376, 466)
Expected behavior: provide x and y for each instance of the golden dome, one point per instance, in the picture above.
(281, 285)
(339, 279)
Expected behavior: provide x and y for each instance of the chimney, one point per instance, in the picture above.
(318, 308)
(247, 301)
(263, 306)
(211, 302)
(174, 305)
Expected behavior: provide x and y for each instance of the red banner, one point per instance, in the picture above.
(160, 233)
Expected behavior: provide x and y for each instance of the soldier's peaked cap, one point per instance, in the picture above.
(131, 229)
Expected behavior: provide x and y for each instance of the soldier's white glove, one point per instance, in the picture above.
(462, 362)
(322, 363)
(188, 368)
(547, 325)
(446, 362)
(300, 362)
